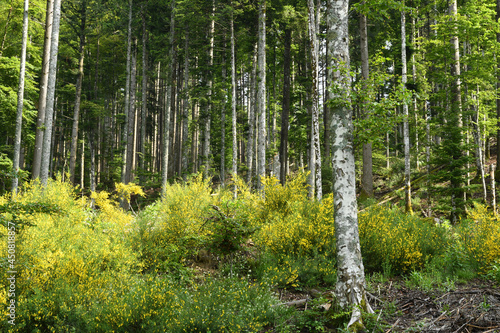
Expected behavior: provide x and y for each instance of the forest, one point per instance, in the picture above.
(249, 166)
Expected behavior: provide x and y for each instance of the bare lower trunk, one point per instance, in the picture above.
(315, 140)
(350, 287)
(20, 101)
(261, 96)
(37, 154)
(406, 129)
(78, 95)
(127, 98)
(49, 112)
(233, 109)
(286, 105)
(166, 128)
(367, 176)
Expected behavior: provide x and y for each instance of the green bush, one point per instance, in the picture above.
(395, 242)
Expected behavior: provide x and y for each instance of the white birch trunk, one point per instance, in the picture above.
(261, 96)
(127, 96)
(20, 101)
(144, 102)
(51, 90)
(37, 154)
(315, 141)
(233, 109)
(166, 128)
(350, 287)
(406, 129)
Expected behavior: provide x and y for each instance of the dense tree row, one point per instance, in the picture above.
(152, 90)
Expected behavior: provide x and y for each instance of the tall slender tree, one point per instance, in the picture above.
(37, 155)
(350, 287)
(367, 175)
(20, 101)
(82, 16)
(168, 106)
(127, 96)
(234, 163)
(261, 95)
(315, 135)
(51, 90)
(406, 129)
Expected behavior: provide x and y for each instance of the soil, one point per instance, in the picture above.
(471, 307)
(467, 308)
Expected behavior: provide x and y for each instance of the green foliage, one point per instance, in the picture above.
(396, 242)
(478, 237)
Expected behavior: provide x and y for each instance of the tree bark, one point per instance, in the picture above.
(458, 194)
(261, 96)
(144, 100)
(350, 287)
(233, 107)
(285, 113)
(251, 118)
(168, 106)
(37, 154)
(406, 129)
(51, 89)
(367, 176)
(208, 120)
(498, 86)
(127, 97)
(131, 128)
(315, 141)
(20, 101)
(78, 94)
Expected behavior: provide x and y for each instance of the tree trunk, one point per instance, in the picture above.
(168, 106)
(127, 97)
(285, 113)
(406, 129)
(315, 140)
(185, 118)
(20, 101)
(78, 95)
(261, 96)
(144, 101)
(350, 287)
(223, 126)
(129, 164)
(233, 108)
(251, 118)
(458, 193)
(208, 120)
(37, 154)
(51, 89)
(498, 86)
(367, 176)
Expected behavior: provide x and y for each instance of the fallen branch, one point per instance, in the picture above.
(297, 302)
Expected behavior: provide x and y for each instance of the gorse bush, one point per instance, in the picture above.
(479, 237)
(398, 242)
(65, 256)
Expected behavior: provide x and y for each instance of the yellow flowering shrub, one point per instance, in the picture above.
(64, 253)
(306, 228)
(392, 240)
(173, 227)
(480, 237)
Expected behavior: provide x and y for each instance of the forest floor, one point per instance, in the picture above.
(463, 308)
(470, 307)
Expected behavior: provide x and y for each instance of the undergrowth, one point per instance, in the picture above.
(199, 260)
